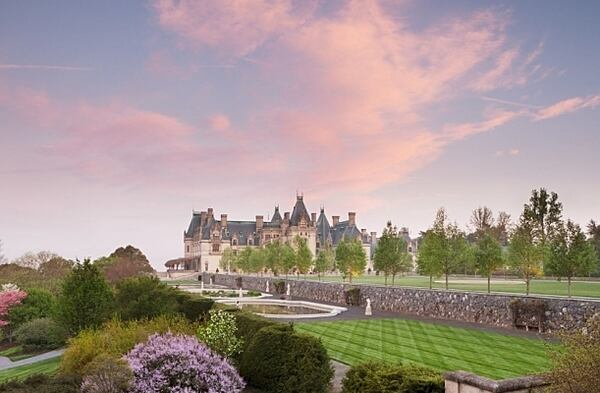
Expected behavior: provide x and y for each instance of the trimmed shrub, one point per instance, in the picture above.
(248, 325)
(116, 338)
(144, 297)
(169, 363)
(352, 296)
(43, 384)
(279, 286)
(42, 333)
(194, 307)
(380, 377)
(37, 304)
(107, 374)
(279, 360)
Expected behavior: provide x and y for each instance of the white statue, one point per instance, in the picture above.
(201, 286)
(368, 310)
(210, 280)
(267, 286)
(289, 290)
(240, 292)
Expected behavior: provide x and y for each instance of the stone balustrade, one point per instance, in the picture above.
(464, 382)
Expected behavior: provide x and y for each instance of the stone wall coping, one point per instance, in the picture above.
(454, 291)
(501, 386)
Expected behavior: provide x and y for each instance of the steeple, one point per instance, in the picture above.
(276, 216)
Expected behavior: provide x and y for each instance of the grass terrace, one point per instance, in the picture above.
(49, 367)
(540, 287)
(439, 346)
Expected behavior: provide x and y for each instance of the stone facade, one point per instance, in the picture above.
(208, 236)
(493, 310)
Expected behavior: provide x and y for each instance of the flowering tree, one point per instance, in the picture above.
(180, 364)
(219, 334)
(10, 296)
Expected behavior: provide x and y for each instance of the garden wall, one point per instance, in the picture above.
(474, 307)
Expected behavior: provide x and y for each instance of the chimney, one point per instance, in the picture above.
(363, 232)
(259, 223)
(373, 236)
(351, 218)
(202, 219)
(286, 216)
(223, 221)
(210, 212)
(335, 220)
(313, 218)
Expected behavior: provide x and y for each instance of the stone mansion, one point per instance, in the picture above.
(207, 235)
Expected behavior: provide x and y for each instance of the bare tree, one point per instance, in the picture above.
(32, 260)
(2, 257)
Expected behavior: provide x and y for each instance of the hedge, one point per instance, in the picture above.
(279, 360)
(43, 384)
(41, 333)
(248, 324)
(379, 377)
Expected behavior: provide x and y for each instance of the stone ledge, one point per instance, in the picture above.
(525, 384)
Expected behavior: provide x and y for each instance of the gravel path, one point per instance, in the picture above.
(34, 359)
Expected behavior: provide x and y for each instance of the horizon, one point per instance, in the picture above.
(117, 120)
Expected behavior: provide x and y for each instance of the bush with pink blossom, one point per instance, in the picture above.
(10, 296)
(180, 364)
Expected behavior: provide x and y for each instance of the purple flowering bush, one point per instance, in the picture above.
(180, 364)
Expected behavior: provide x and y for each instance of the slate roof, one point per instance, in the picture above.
(323, 229)
(299, 212)
(276, 216)
(194, 224)
(343, 230)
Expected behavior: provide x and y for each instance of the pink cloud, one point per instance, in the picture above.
(233, 27)
(567, 106)
(219, 122)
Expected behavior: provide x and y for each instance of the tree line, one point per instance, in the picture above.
(540, 243)
(349, 258)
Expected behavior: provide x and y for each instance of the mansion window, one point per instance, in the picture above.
(234, 242)
(250, 242)
(187, 248)
(216, 247)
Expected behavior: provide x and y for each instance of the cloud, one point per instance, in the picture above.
(219, 122)
(567, 106)
(43, 67)
(510, 152)
(233, 27)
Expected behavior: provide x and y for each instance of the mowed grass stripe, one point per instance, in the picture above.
(49, 366)
(427, 345)
(488, 343)
(488, 354)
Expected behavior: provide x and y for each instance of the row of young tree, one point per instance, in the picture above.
(541, 243)
(349, 258)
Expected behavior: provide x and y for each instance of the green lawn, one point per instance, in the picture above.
(541, 287)
(49, 366)
(16, 352)
(438, 346)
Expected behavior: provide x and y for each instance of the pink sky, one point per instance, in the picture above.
(112, 132)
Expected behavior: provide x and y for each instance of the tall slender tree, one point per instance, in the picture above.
(543, 214)
(304, 257)
(525, 254)
(391, 256)
(351, 259)
(325, 261)
(593, 231)
(571, 254)
(482, 221)
(228, 261)
(488, 257)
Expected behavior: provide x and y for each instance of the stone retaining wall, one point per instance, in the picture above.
(455, 305)
(463, 382)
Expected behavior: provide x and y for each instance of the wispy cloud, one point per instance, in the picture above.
(43, 67)
(512, 103)
(567, 106)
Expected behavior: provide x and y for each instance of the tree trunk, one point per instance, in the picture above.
(393, 278)
(350, 277)
(430, 281)
(489, 279)
(446, 281)
(569, 286)
(527, 280)
(385, 281)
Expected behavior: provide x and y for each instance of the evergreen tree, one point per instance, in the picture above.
(86, 299)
